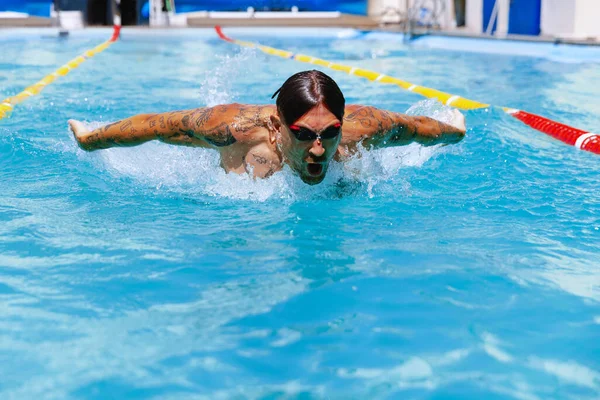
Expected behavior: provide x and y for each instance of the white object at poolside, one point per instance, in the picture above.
(13, 14)
(71, 19)
(576, 19)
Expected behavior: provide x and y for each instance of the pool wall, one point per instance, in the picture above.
(555, 51)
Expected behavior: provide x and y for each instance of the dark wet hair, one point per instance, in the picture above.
(304, 90)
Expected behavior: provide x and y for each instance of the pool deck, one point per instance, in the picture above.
(339, 21)
(25, 21)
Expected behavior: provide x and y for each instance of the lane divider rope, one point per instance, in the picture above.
(7, 105)
(581, 139)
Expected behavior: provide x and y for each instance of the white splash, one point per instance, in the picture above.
(218, 84)
(432, 108)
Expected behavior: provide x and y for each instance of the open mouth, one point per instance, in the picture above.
(314, 169)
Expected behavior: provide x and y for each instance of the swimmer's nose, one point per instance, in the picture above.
(317, 149)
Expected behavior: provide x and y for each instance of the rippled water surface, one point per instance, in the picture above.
(470, 271)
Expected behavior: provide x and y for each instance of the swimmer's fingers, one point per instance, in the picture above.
(78, 128)
(79, 132)
(458, 120)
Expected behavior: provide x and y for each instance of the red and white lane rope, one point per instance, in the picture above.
(7, 105)
(579, 138)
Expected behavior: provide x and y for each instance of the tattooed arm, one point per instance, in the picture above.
(380, 128)
(201, 127)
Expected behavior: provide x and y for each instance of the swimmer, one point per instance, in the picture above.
(308, 127)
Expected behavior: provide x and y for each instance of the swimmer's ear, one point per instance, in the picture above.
(274, 126)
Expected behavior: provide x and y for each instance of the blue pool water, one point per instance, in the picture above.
(465, 272)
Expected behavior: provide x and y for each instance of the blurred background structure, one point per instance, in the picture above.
(571, 19)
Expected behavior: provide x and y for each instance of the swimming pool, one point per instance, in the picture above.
(468, 271)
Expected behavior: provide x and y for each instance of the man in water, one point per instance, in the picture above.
(308, 127)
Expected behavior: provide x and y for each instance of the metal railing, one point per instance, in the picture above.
(415, 15)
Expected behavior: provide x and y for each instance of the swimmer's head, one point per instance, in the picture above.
(310, 112)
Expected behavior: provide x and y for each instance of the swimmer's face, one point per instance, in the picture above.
(310, 143)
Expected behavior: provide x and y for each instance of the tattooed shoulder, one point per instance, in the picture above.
(363, 115)
(247, 118)
(220, 135)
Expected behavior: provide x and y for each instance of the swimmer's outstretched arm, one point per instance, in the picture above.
(381, 128)
(200, 127)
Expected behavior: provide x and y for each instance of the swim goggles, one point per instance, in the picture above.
(305, 134)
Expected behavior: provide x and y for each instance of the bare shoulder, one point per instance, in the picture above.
(244, 121)
(234, 122)
(352, 108)
(250, 123)
(360, 122)
(360, 117)
(361, 113)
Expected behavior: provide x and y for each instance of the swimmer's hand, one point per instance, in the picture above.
(80, 132)
(458, 120)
